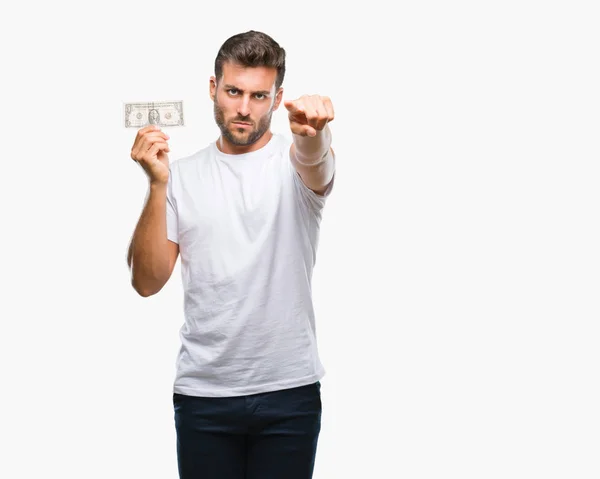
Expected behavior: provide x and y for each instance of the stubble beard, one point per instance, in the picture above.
(246, 136)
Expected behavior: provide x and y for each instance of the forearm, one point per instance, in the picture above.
(313, 150)
(313, 159)
(148, 256)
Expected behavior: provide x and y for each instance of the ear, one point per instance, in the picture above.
(278, 98)
(213, 88)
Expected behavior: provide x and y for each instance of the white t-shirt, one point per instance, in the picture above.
(247, 229)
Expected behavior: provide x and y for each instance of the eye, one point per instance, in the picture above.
(261, 95)
(232, 91)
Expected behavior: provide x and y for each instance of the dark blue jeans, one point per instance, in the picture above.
(261, 436)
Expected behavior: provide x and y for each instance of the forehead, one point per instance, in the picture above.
(249, 78)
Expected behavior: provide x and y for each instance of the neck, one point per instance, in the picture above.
(225, 146)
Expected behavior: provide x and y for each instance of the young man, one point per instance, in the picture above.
(244, 213)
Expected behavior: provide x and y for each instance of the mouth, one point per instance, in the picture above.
(242, 124)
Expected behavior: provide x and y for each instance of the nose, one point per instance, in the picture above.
(244, 106)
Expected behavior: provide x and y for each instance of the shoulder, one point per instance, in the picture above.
(192, 160)
(283, 142)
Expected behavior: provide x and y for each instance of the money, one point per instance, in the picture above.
(166, 113)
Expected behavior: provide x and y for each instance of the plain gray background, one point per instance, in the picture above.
(456, 284)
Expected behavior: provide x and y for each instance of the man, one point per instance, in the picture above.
(244, 213)
(153, 117)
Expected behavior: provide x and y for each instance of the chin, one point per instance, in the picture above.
(241, 135)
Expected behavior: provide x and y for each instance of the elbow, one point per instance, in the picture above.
(144, 290)
(147, 283)
(145, 293)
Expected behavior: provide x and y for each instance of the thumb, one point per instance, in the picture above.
(308, 131)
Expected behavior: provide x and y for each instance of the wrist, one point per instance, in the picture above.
(158, 185)
(312, 149)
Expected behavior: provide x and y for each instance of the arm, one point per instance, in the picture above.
(311, 152)
(313, 159)
(151, 257)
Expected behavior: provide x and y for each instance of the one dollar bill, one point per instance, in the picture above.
(166, 113)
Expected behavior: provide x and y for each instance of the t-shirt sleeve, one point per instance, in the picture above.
(312, 200)
(172, 219)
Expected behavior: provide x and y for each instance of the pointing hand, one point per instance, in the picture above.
(309, 114)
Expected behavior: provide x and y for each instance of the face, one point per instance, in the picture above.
(244, 101)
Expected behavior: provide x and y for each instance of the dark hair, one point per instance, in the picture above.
(252, 49)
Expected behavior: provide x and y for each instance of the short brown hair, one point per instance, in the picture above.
(252, 49)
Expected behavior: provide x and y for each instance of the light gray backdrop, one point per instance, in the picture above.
(456, 285)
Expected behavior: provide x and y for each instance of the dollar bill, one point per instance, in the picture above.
(166, 113)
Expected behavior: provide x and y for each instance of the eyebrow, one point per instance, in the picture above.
(262, 92)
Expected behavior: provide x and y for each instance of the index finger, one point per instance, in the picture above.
(292, 106)
(148, 128)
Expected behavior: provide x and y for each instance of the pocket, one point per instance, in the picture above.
(318, 387)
